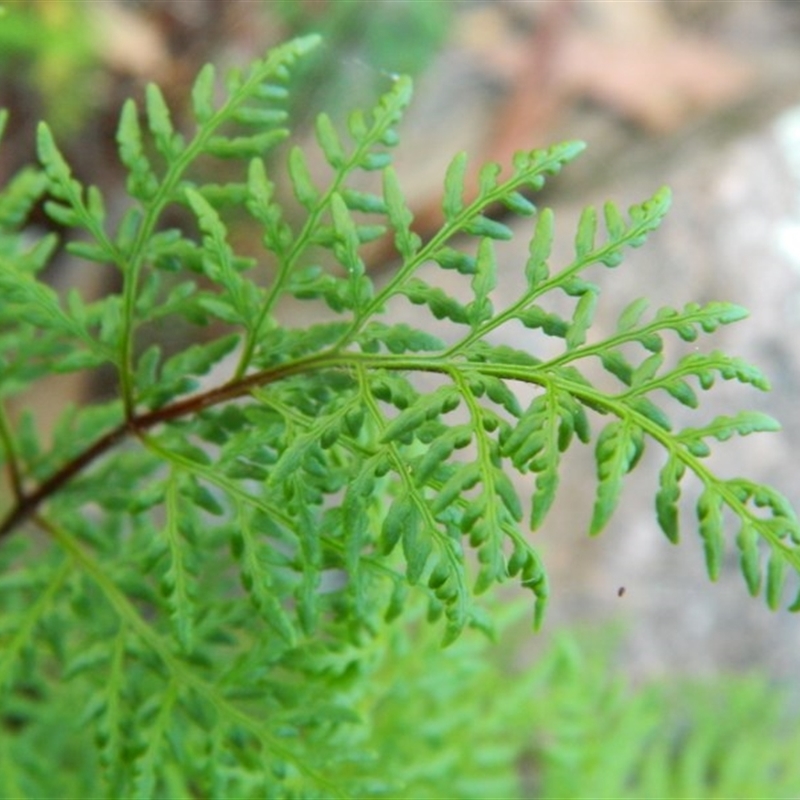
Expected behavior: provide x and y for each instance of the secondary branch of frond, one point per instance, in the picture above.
(29, 502)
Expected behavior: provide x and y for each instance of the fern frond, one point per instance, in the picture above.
(222, 555)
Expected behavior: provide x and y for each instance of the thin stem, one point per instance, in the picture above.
(27, 504)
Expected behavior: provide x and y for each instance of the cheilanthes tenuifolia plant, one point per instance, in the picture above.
(201, 584)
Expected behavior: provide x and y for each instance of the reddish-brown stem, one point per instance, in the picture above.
(28, 503)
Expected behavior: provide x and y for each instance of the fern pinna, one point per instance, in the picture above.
(194, 576)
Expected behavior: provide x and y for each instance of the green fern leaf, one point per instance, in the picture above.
(453, 201)
(541, 245)
(750, 557)
(723, 428)
(203, 94)
(329, 142)
(400, 217)
(167, 141)
(667, 498)
(300, 175)
(619, 447)
(709, 515)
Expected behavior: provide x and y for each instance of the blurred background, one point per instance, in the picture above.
(701, 95)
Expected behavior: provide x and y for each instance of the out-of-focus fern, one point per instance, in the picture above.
(594, 736)
(50, 49)
(364, 40)
(199, 577)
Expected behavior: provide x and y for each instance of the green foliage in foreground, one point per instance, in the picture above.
(424, 723)
(197, 581)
